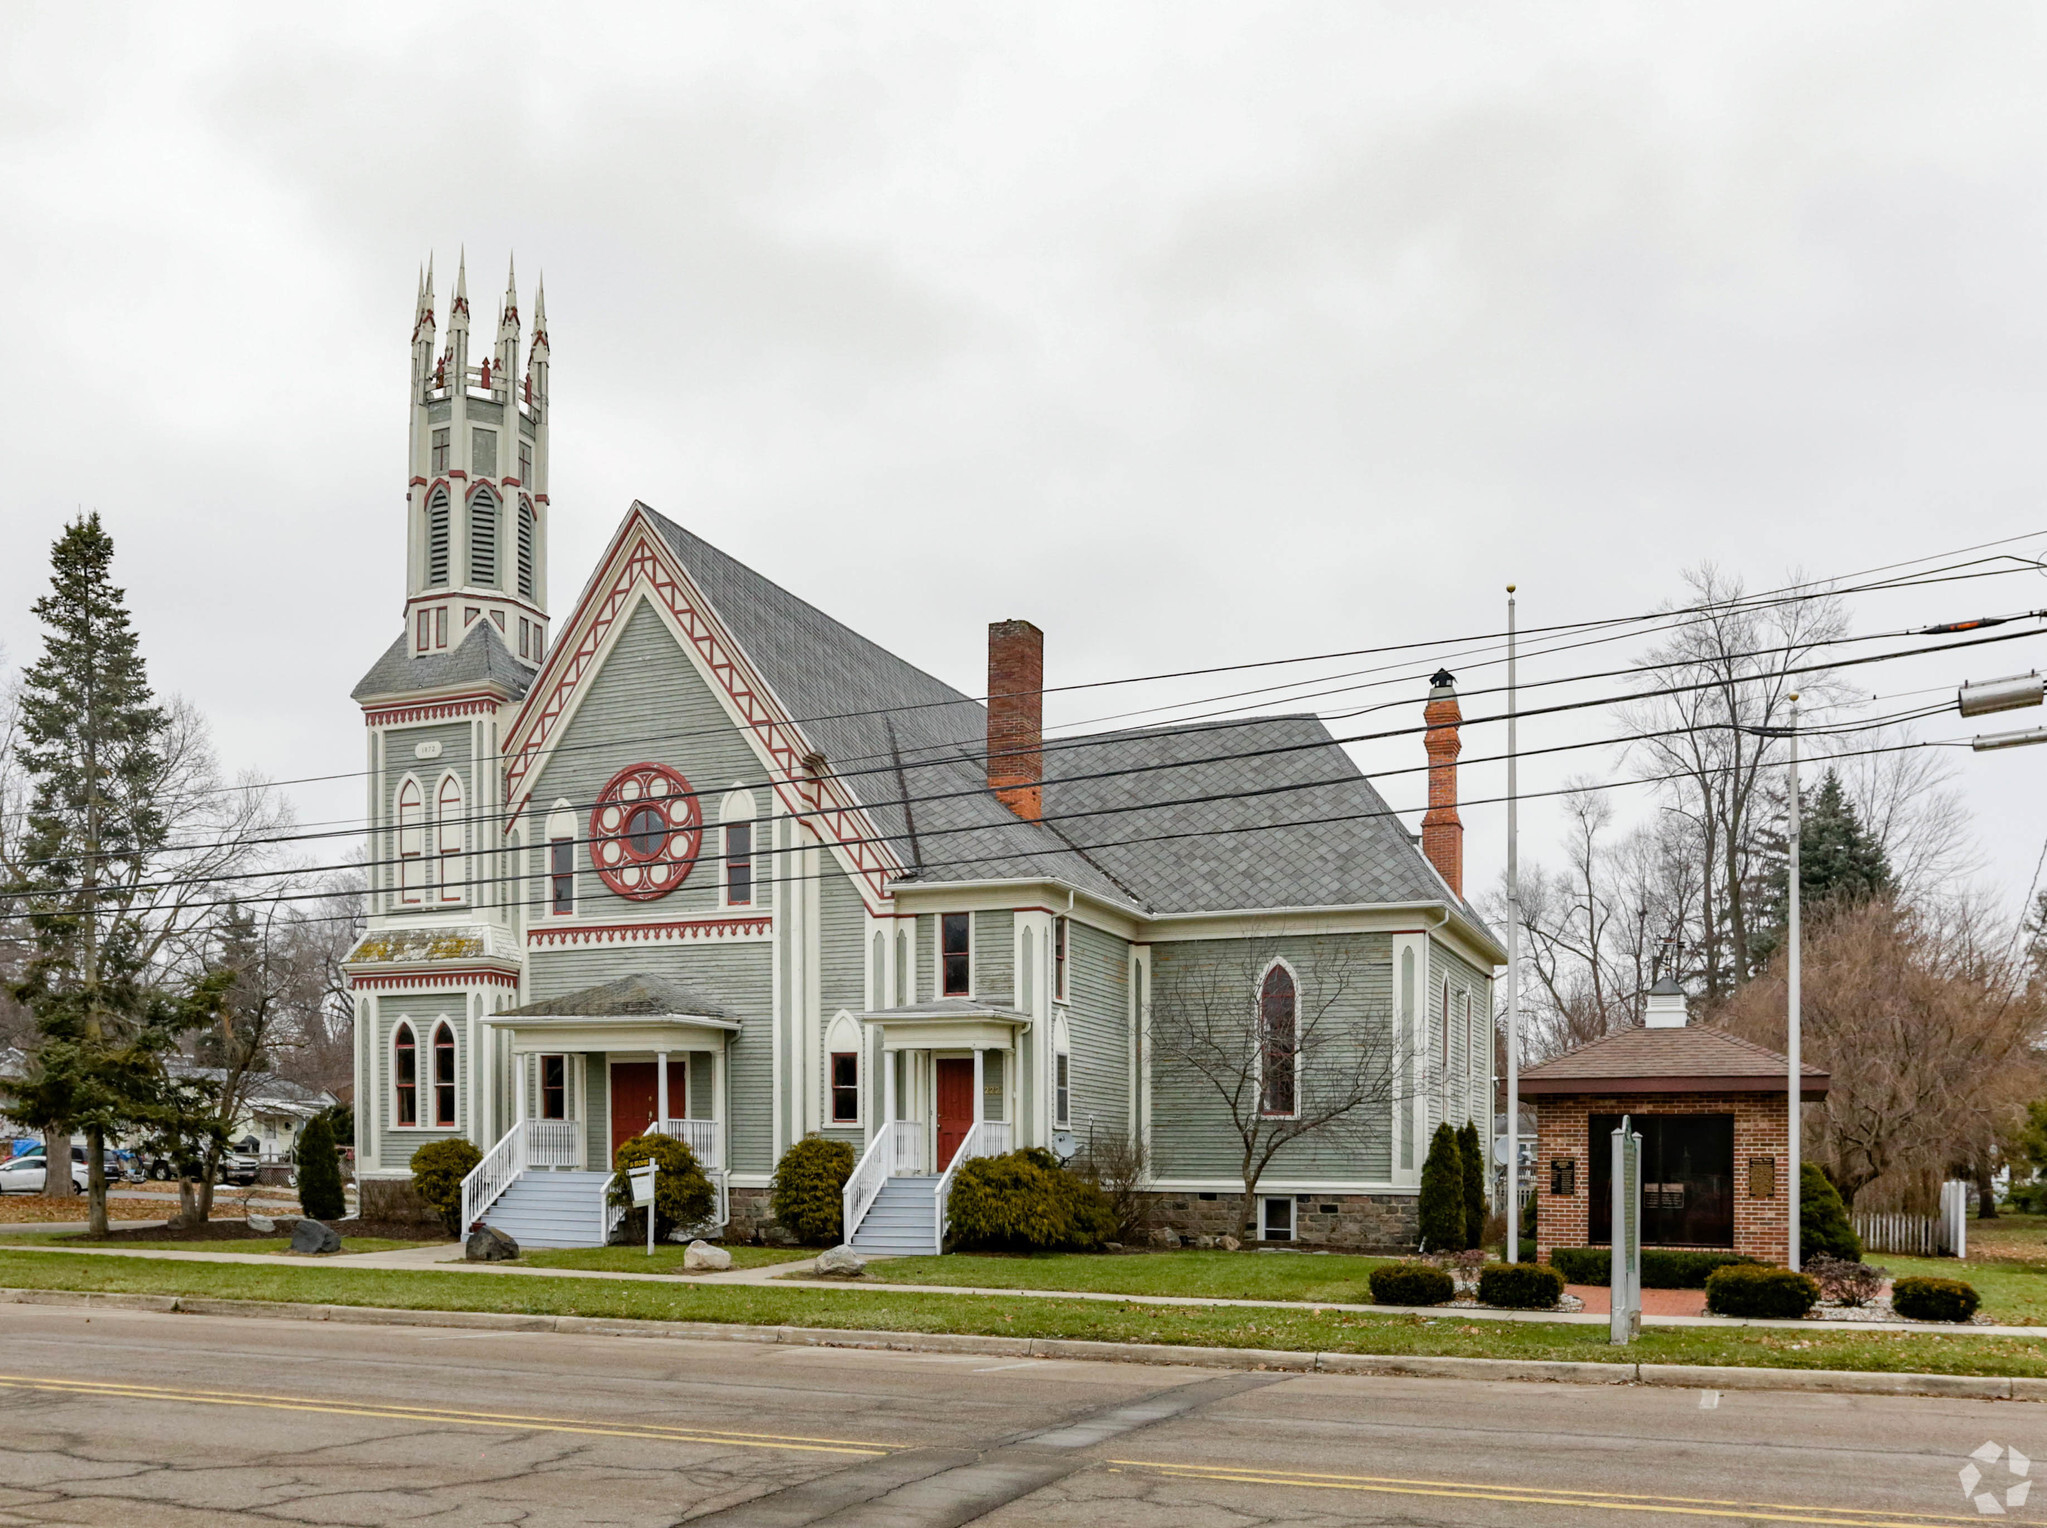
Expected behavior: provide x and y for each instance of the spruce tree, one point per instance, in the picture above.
(1840, 863)
(92, 745)
(1471, 1152)
(1442, 1195)
(319, 1166)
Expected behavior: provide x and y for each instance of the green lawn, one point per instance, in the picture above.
(668, 1259)
(1337, 1278)
(249, 1244)
(2014, 1293)
(871, 1308)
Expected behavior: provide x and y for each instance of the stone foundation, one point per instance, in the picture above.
(1353, 1222)
(393, 1199)
(750, 1215)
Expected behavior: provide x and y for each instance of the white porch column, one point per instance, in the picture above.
(519, 1063)
(661, 1088)
(888, 1086)
(978, 1055)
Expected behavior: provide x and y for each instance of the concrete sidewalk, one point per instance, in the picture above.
(446, 1257)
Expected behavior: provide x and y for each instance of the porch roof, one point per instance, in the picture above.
(946, 1010)
(630, 997)
(948, 1023)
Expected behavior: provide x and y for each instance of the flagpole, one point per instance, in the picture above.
(1513, 1247)
(1791, 982)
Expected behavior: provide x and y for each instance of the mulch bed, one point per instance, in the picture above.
(238, 1230)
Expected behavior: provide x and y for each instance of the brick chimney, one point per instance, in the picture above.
(1442, 833)
(1016, 716)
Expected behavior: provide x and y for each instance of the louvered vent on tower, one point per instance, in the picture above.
(483, 538)
(525, 550)
(437, 537)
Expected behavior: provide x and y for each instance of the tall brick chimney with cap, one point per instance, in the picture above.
(1442, 833)
(1016, 716)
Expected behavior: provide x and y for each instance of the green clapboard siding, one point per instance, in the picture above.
(1098, 1021)
(423, 1011)
(1192, 1136)
(995, 956)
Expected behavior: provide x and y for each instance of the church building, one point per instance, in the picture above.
(692, 856)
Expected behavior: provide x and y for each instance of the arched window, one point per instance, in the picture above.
(405, 1076)
(483, 538)
(411, 841)
(448, 836)
(444, 1077)
(842, 1046)
(1062, 1073)
(1278, 1043)
(437, 537)
(525, 548)
(737, 814)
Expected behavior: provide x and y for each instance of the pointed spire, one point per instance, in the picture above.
(508, 315)
(461, 303)
(540, 313)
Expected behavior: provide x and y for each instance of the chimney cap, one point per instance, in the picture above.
(1443, 679)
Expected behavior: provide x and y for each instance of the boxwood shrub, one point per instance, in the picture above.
(1411, 1284)
(1520, 1286)
(438, 1169)
(1751, 1289)
(808, 1188)
(1662, 1268)
(1934, 1299)
(1024, 1201)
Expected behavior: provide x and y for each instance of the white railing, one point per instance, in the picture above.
(488, 1179)
(702, 1138)
(907, 1160)
(980, 1142)
(608, 1214)
(553, 1142)
(865, 1184)
(1945, 1234)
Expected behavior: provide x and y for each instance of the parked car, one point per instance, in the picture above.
(236, 1167)
(25, 1175)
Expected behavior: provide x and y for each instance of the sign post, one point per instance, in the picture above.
(642, 1180)
(1625, 1271)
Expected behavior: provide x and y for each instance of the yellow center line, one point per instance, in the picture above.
(1546, 1496)
(511, 1421)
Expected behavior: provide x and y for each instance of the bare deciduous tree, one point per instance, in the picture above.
(1333, 1073)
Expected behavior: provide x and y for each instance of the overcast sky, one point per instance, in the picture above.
(1195, 334)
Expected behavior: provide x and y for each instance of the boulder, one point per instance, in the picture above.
(841, 1263)
(487, 1244)
(702, 1257)
(312, 1237)
(262, 1225)
(1231, 1244)
(1165, 1236)
(1205, 1243)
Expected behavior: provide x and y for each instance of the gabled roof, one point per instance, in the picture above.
(628, 997)
(480, 658)
(1692, 1059)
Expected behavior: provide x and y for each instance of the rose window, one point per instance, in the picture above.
(645, 832)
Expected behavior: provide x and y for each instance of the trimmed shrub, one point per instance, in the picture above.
(1024, 1201)
(1662, 1267)
(1442, 1195)
(438, 1169)
(1751, 1289)
(319, 1173)
(1824, 1229)
(1934, 1299)
(1527, 1249)
(808, 1192)
(683, 1197)
(1471, 1152)
(1520, 1286)
(1410, 1283)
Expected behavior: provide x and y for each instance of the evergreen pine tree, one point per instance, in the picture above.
(1824, 1228)
(1471, 1153)
(1839, 861)
(1442, 1195)
(92, 745)
(319, 1168)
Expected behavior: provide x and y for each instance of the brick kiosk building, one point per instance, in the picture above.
(1715, 1152)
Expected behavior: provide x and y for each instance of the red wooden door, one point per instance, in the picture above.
(955, 1107)
(635, 1100)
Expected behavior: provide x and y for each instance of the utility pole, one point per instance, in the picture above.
(1791, 984)
(1513, 1247)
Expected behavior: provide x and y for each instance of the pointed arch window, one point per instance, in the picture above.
(483, 538)
(411, 842)
(1278, 1044)
(404, 1076)
(526, 539)
(448, 837)
(735, 815)
(444, 1076)
(437, 537)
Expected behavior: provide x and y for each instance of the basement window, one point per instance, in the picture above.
(1276, 1220)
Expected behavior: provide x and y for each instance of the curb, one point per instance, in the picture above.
(1390, 1365)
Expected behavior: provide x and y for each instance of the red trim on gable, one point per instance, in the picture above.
(823, 805)
(372, 981)
(542, 938)
(415, 482)
(482, 704)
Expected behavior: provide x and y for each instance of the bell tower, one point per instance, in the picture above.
(476, 494)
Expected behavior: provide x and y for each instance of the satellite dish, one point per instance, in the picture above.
(1503, 1150)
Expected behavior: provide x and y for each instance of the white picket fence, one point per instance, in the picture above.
(1945, 1234)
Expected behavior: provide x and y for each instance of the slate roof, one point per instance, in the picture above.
(1674, 1060)
(1245, 815)
(481, 657)
(629, 996)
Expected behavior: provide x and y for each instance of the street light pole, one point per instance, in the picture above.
(1791, 1116)
(1513, 1247)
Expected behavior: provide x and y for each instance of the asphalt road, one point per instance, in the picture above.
(126, 1417)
